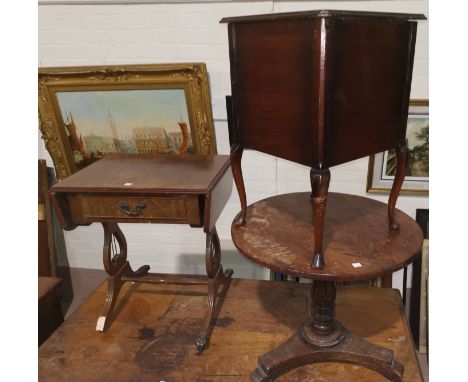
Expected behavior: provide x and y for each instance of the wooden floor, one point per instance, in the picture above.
(153, 334)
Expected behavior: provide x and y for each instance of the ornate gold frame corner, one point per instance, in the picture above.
(192, 77)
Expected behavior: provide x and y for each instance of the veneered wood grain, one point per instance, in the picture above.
(152, 336)
(321, 88)
(369, 74)
(216, 200)
(273, 74)
(173, 188)
(279, 234)
(101, 208)
(162, 173)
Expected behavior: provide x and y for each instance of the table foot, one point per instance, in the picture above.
(114, 284)
(221, 278)
(296, 352)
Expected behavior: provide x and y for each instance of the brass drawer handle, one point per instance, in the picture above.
(136, 212)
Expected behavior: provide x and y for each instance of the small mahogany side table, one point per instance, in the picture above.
(322, 88)
(178, 189)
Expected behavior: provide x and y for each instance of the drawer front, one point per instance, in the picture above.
(102, 208)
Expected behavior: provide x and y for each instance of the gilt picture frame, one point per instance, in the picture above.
(382, 166)
(87, 112)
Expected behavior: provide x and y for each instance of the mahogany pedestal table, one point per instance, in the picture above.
(358, 245)
(178, 189)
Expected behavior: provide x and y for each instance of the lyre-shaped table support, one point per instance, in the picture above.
(322, 339)
(117, 267)
(119, 271)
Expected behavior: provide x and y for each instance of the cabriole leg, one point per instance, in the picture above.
(402, 164)
(319, 180)
(236, 156)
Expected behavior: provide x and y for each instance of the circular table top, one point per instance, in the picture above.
(357, 242)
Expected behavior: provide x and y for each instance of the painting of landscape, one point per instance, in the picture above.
(417, 140)
(125, 121)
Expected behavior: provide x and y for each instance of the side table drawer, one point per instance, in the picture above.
(87, 208)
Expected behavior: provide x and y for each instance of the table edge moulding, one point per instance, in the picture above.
(163, 188)
(320, 111)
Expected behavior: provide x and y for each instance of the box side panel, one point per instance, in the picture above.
(368, 80)
(273, 70)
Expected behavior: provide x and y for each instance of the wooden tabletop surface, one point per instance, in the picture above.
(188, 173)
(357, 241)
(152, 337)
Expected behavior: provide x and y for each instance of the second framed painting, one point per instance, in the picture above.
(382, 166)
(87, 112)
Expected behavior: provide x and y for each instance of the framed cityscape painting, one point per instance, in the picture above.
(382, 166)
(88, 112)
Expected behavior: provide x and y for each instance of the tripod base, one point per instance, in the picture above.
(322, 339)
(296, 352)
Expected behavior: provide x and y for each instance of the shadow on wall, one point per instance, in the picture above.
(230, 258)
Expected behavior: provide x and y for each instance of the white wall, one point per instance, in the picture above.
(156, 33)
